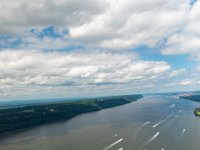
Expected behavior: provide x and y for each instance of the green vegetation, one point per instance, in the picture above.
(197, 111)
(193, 98)
(28, 116)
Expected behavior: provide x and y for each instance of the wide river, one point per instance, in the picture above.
(151, 123)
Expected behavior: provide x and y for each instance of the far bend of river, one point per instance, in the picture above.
(151, 123)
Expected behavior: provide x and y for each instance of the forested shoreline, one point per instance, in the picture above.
(29, 116)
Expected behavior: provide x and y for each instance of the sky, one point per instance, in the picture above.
(76, 48)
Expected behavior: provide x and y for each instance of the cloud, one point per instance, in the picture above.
(48, 38)
(31, 68)
(185, 82)
(40, 13)
(187, 40)
(109, 24)
(128, 24)
(177, 72)
(72, 46)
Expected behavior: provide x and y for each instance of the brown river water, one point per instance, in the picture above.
(151, 123)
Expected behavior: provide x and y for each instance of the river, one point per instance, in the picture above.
(151, 123)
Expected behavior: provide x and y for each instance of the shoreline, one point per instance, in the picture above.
(34, 116)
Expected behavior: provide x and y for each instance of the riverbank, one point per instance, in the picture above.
(29, 116)
(195, 98)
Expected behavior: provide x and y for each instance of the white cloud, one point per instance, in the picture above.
(28, 69)
(30, 41)
(102, 28)
(177, 72)
(185, 82)
(132, 23)
(187, 40)
(110, 24)
(15, 16)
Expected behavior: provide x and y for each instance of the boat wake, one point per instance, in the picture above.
(142, 126)
(113, 144)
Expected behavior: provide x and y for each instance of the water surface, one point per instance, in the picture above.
(151, 123)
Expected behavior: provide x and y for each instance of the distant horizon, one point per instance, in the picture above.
(89, 97)
(73, 48)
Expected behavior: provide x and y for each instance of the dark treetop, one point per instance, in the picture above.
(194, 98)
(28, 116)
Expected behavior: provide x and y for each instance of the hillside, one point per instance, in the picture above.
(28, 116)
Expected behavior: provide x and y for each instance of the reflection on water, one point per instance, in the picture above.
(157, 123)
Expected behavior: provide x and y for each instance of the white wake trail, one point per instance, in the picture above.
(183, 131)
(141, 126)
(115, 135)
(172, 105)
(113, 144)
(153, 138)
(150, 140)
(155, 125)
